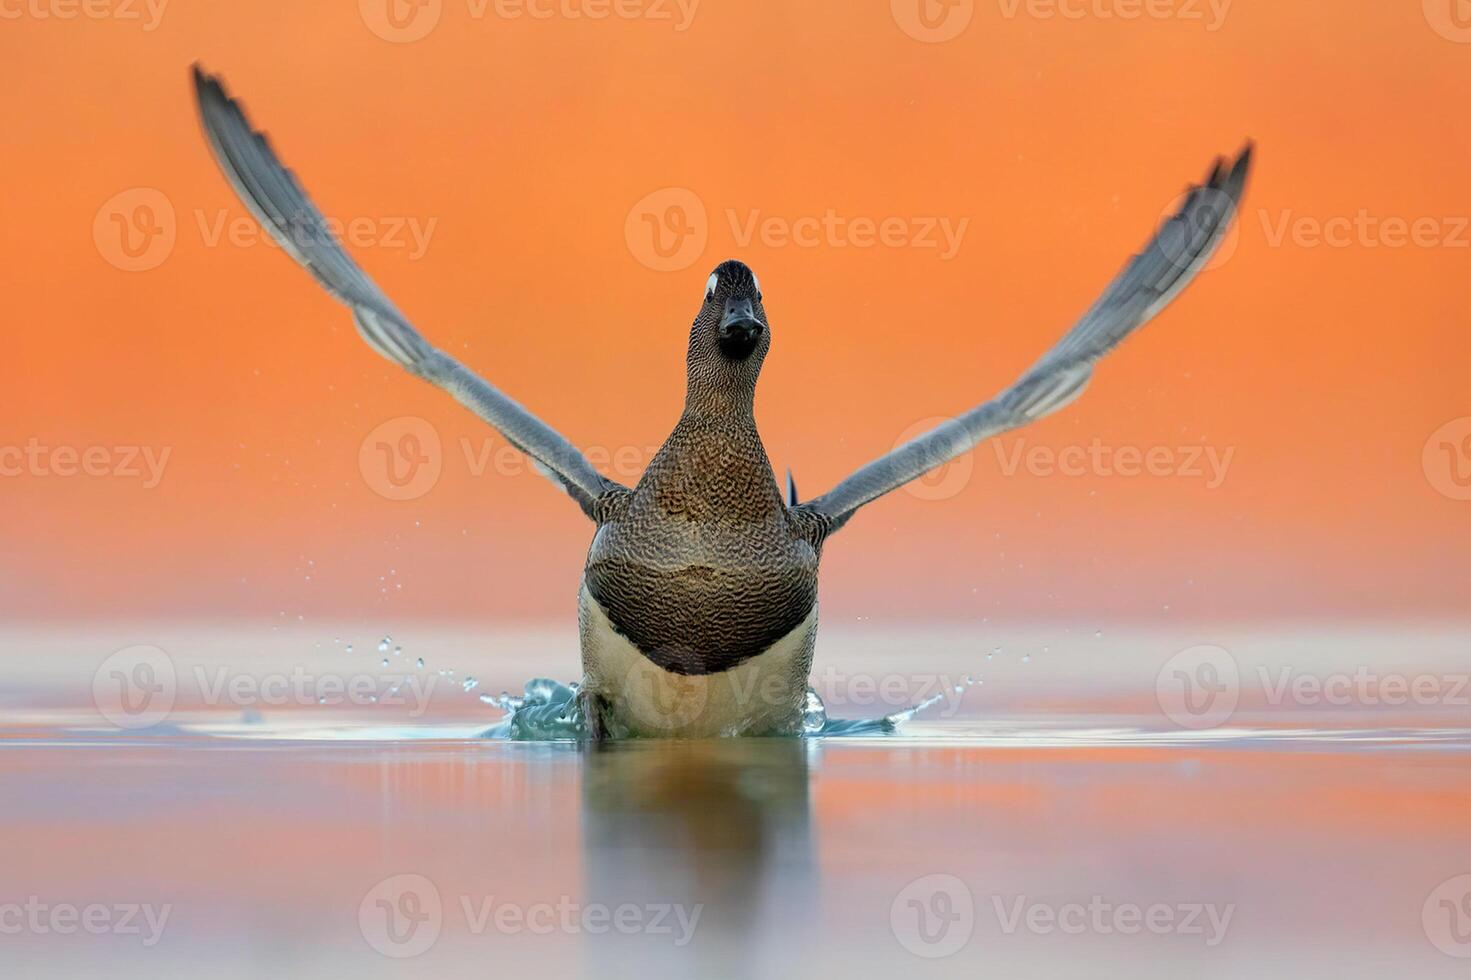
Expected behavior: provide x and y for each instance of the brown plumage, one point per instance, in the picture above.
(703, 565)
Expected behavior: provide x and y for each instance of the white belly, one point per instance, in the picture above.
(636, 697)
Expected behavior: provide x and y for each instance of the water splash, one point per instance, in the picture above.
(548, 711)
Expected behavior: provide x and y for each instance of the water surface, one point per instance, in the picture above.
(1013, 835)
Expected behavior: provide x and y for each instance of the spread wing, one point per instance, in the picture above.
(1147, 283)
(273, 195)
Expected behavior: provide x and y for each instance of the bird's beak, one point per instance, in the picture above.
(740, 331)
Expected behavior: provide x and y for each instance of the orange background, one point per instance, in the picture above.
(528, 141)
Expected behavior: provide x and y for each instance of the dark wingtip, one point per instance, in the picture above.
(207, 86)
(791, 489)
(1243, 159)
(1217, 174)
(1241, 170)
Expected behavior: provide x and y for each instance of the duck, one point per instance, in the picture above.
(697, 607)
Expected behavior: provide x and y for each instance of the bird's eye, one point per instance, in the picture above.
(710, 285)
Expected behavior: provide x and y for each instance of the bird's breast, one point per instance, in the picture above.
(625, 692)
(701, 599)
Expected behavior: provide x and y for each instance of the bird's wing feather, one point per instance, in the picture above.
(1182, 246)
(274, 196)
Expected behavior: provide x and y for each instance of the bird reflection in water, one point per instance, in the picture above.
(720, 828)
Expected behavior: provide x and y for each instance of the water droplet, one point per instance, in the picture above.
(385, 661)
(814, 714)
(419, 663)
(349, 648)
(383, 645)
(1098, 634)
(470, 683)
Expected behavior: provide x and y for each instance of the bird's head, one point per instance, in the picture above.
(730, 336)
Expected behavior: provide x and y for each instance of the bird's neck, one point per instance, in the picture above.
(715, 399)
